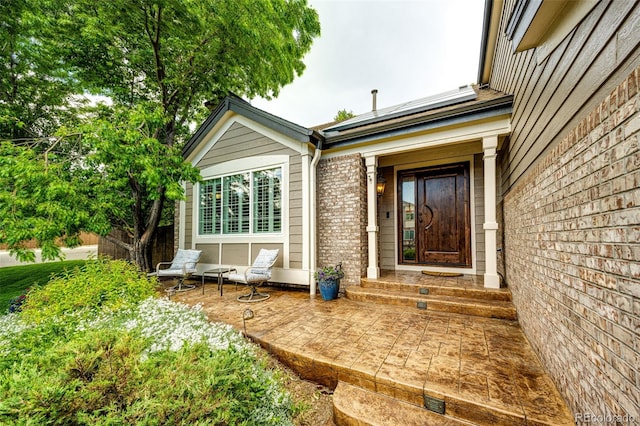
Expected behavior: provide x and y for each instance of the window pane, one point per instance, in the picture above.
(408, 219)
(210, 207)
(267, 201)
(235, 198)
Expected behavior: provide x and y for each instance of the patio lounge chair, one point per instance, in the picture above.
(256, 275)
(182, 266)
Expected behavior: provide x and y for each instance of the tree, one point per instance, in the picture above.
(33, 87)
(343, 114)
(135, 171)
(43, 200)
(163, 59)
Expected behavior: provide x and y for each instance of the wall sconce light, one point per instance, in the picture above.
(380, 184)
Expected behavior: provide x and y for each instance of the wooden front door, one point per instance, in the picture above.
(435, 218)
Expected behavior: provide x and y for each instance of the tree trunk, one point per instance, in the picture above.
(141, 254)
(145, 224)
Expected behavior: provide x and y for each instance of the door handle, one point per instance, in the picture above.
(426, 228)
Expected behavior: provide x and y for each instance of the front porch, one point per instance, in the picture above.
(440, 212)
(387, 363)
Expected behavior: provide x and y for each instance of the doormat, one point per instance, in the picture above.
(442, 274)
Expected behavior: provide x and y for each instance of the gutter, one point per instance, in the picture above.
(313, 226)
(488, 5)
(490, 33)
(487, 109)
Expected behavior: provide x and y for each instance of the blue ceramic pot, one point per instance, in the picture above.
(329, 288)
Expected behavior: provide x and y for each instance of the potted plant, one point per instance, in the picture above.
(328, 279)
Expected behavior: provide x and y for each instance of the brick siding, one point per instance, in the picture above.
(342, 215)
(572, 241)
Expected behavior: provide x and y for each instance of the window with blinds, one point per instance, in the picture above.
(243, 203)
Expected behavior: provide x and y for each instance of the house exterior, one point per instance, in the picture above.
(312, 193)
(570, 191)
(531, 179)
(257, 191)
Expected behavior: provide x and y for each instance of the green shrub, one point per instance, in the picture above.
(155, 362)
(102, 379)
(99, 285)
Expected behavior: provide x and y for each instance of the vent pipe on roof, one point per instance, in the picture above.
(374, 94)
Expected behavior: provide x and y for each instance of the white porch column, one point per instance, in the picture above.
(373, 271)
(491, 278)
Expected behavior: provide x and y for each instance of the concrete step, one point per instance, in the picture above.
(501, 309)
(440, 290)
(355, 406)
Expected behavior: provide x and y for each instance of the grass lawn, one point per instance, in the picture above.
(15, 279)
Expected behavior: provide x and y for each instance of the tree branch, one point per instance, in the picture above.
(136, 193)
(118, 242)
(154, 217)
(154, 39)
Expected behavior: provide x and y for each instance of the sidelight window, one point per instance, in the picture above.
(408, 219)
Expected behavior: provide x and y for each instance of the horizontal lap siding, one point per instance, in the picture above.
(242, 142)
(388, 225)
(295, 213)
(552, 96)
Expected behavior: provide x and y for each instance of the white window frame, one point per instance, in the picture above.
(234, 167)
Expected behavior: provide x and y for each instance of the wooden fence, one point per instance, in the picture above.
(161, 251)
(87, 240)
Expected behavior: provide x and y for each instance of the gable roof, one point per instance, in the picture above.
(455, 107)
(238, 105)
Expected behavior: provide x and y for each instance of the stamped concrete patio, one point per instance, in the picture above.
(387, 363)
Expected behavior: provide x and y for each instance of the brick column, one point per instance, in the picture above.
(342, 215)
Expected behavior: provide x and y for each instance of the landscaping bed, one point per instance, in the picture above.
(95, 346)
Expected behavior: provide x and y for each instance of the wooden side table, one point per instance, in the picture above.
(219, 272)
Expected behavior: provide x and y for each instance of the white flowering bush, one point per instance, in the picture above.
(170, 325)
(11, 326)
(151, 362)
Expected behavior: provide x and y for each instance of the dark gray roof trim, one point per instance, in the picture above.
(477, 111)
(244, 108)
(452, 97)
(486, 25)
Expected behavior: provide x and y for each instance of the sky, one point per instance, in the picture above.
(405, 49)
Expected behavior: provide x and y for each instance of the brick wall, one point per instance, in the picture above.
(342, 215)
(572, 240)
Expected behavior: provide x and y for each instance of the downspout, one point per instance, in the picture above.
(313, 217)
